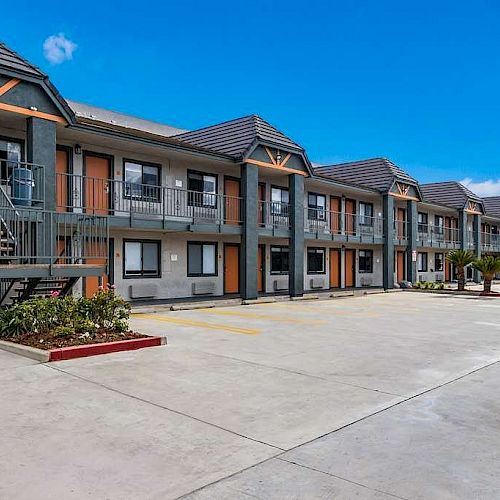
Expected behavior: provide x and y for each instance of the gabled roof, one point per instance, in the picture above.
(375, 173)
(451, 194)
(12, 60)
(86, 113)
(492, 205)
(236, 137)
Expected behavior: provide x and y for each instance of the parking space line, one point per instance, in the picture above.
(256, 315)
(199, 324)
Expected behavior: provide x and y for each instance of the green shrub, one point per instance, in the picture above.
(439, 286)
(64, 316)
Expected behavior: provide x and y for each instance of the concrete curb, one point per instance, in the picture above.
(80, 351)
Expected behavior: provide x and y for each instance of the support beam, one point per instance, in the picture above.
(296, 271)
(477, 244)
(249, 236)
(388, 210)
(41, 149)
(462, 230)
(411, 236)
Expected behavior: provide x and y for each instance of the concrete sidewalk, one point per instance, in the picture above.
(391, 395)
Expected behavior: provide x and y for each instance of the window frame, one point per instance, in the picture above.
(313, 210)
(144, 186)
(316, 249)
(190, 199)
(283, 205)
(281, 248)
(441, 260)
(420, 269)
(438, 228)
(422, 227)
(142, 275)
(366, 252)
(216, 256)
(362, 215)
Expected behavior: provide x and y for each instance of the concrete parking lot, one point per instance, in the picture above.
(383, 396)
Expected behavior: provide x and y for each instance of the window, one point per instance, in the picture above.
(422, 262)
(439, 224)
(315, 260)
(316, 206)
(366, 261)
(422, 222)
(439, 262)
(279, 201)
(202, 190)
(202, 259)
(10, 153)
(141, 259)
(279, 260)
(142, 180)
(365, 214)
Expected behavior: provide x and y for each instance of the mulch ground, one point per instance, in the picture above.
(49, 341)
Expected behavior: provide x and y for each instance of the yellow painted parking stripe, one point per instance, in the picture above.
(251, 315)
(200, 324)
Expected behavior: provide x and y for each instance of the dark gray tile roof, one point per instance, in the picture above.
(492, 205)
(451, 194)
(11, 60)
(375, 173)
(234, 137)
(92, 114)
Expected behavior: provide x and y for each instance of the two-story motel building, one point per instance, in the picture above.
(90, 196)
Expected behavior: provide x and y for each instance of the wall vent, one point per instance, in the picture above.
(280, 284)
(204, 287)
(143, 291)
(317, 282)
(365, 281)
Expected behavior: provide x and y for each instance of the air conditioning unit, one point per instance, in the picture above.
(317, 282)
(143, 291)
(203, 287)
(439, 277)
(366, 281)
(280, 284)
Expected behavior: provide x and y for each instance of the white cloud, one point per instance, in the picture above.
(57, 49)
(483, 188)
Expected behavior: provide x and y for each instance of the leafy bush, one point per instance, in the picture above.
(428, 285)
(65, 316)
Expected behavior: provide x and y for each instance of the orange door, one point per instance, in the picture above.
(350, 216)
(401, 266)
(97, 188)
(447, 269)
(335, 215)
(401, 223)
(334, 268)
(62, 180)
(97, 252)
(231, 269)
(260, 268)
(349, 268)
(261, 196)
(447, 229)
(232, 201)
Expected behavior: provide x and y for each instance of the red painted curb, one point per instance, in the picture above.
(81, 351)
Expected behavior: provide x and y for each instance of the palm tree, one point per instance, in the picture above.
(460, 259)
(488, 266)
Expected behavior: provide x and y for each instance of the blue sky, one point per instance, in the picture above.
(417, 82)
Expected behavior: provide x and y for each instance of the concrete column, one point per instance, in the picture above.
(462, 230)
(411, 236)
(249, 236)
(477, 245)
(41, 149)
(388, 261)
(296, 271)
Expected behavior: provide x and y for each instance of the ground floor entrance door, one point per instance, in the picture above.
(260, 268)
(98, 252)
(231, 268)
(400, 264)
(334, 268)
(350, 260)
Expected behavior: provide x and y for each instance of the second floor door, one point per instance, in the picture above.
(97, 188)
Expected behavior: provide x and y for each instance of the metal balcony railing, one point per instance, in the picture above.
(23, 182)
(338, 223)
(490, 242)
(121, 198)
(400, 230)
(30, 236)
(431, 235)
(273, 214)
